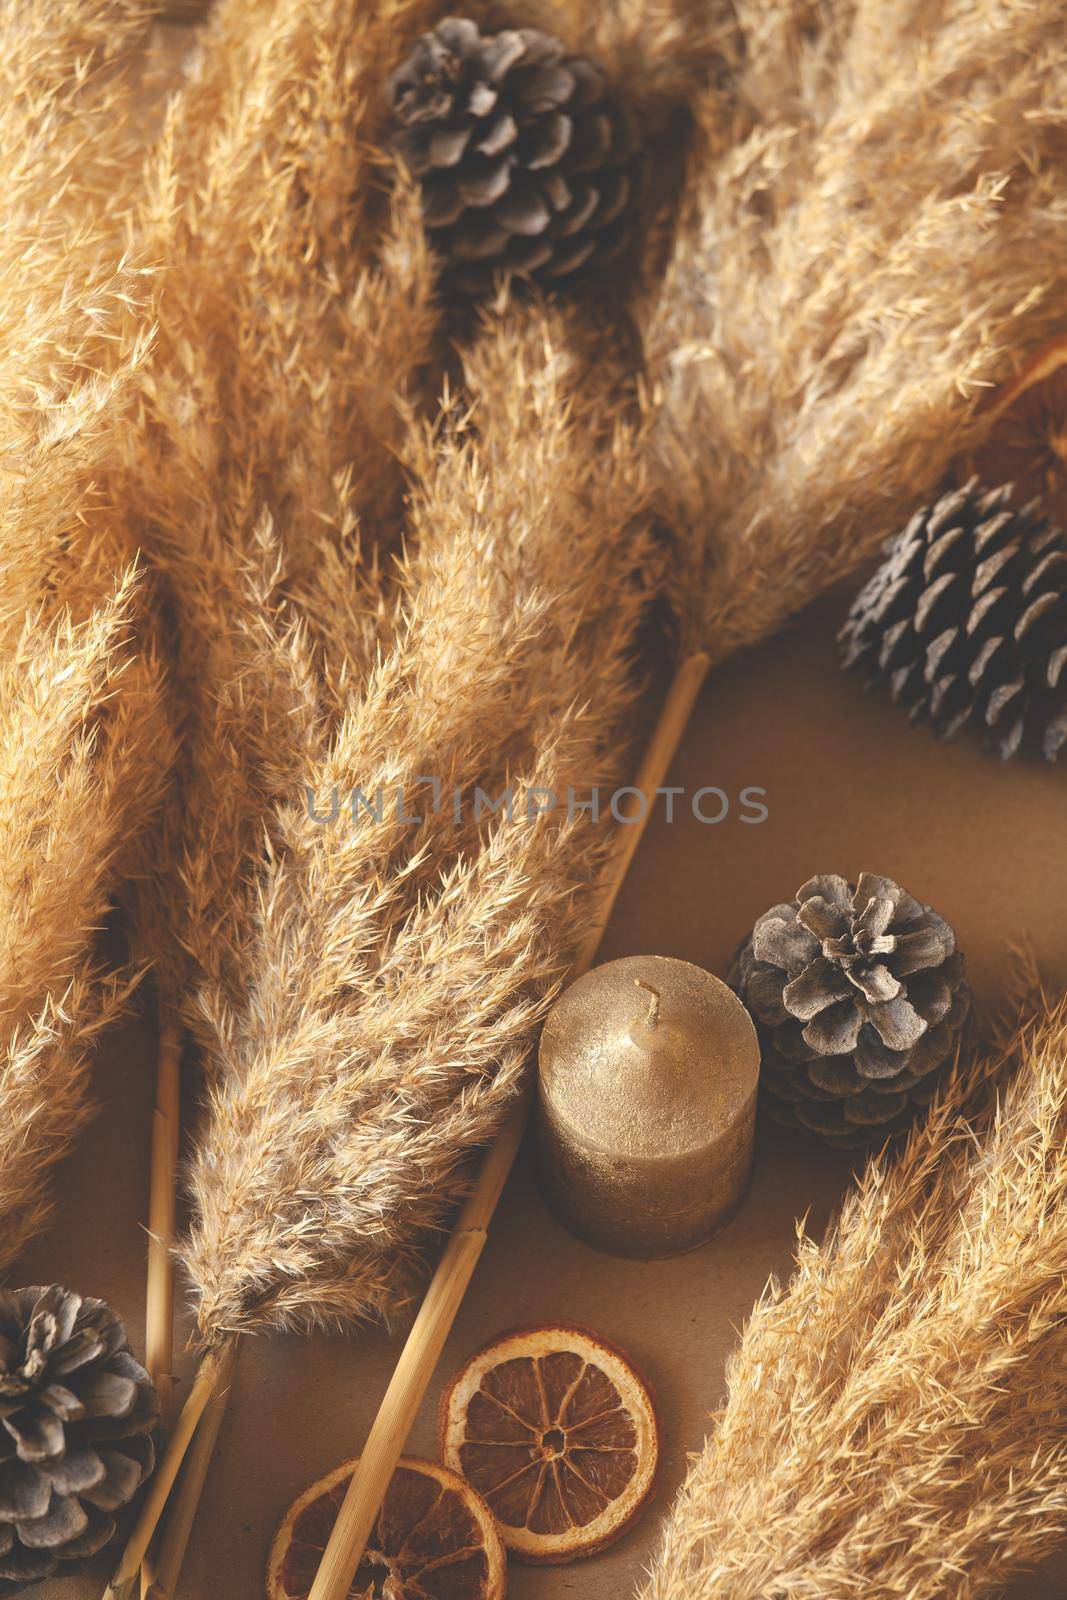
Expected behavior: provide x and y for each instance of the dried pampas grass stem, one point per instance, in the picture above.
(181, 1512)
(162, 1206)
(208, 1383)
(166, 1130)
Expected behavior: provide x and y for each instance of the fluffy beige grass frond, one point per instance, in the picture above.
(65, 110)
(296, 332)
(45, 1072)
(397, 973)
(876, 233)
(894, 1417)
(84, 751)
(84, 742)
(83, 755)
(657, 54)
(295, 315)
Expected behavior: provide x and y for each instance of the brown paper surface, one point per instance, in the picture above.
(849, 787)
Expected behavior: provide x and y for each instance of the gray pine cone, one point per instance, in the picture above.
(78, 1415)
(966, 620)
(859, 999)
(526, 165)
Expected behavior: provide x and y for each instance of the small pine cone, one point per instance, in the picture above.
(527, 166)
(78, 1415)
(967, 621)
(859, 999)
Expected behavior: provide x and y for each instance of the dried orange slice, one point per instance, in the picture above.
(1027, 440)
(434, 1540)
(557, 1429)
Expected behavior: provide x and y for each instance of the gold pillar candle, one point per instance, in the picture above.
(646, 1105)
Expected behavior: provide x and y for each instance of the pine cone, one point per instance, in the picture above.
(967, 620)
(859, 1000)
(78, 1413)
(526, 165)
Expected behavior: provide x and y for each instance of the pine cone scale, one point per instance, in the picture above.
(119, 1482)
(63, 1521)
(816, 988)
(877, 984)
(78, 1471)
(834, 1031)
(897, 1023)
(523, 212)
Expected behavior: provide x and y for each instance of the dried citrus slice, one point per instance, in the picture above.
(434, 1540)
(557, 1429)
(1027, 440)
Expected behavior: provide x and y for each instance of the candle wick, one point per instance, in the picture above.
(653, 1005)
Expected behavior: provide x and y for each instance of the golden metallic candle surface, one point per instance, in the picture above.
(646, 1105)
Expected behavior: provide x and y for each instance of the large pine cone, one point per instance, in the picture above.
(78, 1415)
(967, 621)
(859, 999)
(526, 165)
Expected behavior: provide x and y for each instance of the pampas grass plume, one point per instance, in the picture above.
(396, 974)
(874, 223)
(894, 1417)
(84, 743)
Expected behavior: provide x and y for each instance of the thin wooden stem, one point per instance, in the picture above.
(422, 1350)
(174, 1539)
(162, 1206)
(205, 1384)
(418, 1359)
